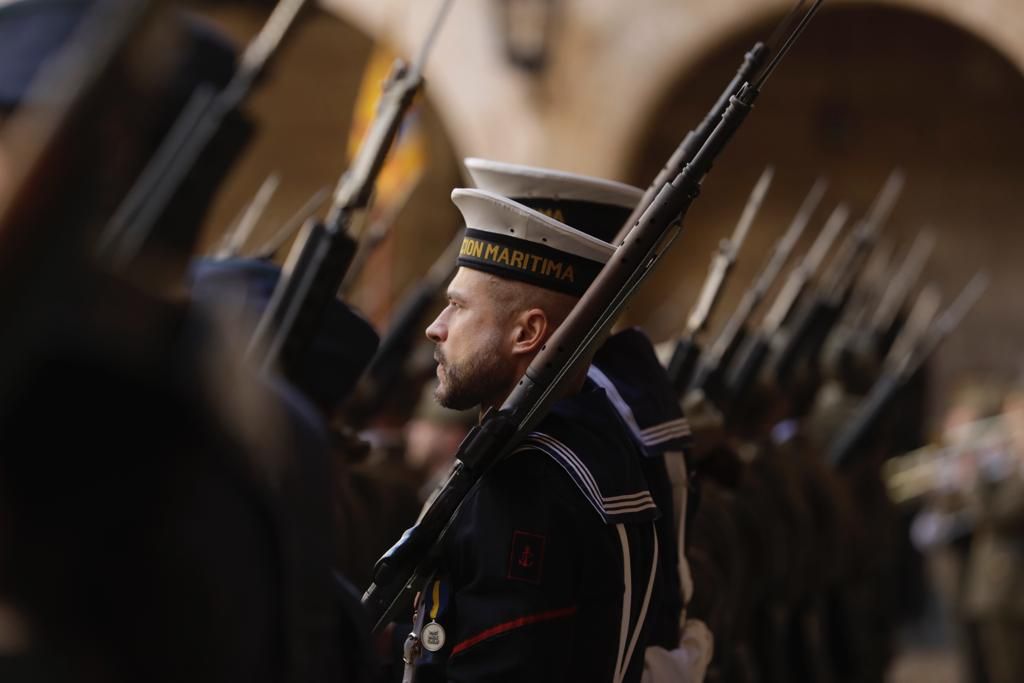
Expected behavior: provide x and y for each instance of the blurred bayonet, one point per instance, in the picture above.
(902, 284)
(241, 230)
(724, 258)
(801, 275)
(711, 369)
(863, 239)
(819, 314)
(754, 352)
(680, 366)
(918, 340)
(291, 226)
(375, 235)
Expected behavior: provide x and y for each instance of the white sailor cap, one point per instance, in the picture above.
(510, 240)
(596, 206)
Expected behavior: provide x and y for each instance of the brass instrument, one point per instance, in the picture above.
(983, 449)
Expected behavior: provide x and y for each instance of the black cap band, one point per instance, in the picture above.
(537, 264)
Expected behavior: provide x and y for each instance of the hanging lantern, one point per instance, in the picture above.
(527, 28)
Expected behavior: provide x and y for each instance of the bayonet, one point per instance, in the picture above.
(917, 341)
(801, 275)
(900, 286)
(754, 351)
(864, 237)
(240, 231)
(375, 235)
(684, 356)
(725, 257)
(285, 232)
(819, 314)
(711, 369)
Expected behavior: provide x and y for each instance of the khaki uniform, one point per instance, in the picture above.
(995, 577)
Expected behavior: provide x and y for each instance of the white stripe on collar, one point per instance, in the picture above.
(651, 436)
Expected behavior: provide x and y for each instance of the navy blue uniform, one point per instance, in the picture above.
(551, 571)
(627, 368)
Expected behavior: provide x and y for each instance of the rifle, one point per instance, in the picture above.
(684, 357)
(919, 338)
(753, 353)
(712, 367)
(818, 315)
(562, 358)
(753, 60)
(321, 256)
(204, 114)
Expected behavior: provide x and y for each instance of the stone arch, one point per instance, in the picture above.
(925, 94)
(614, 62)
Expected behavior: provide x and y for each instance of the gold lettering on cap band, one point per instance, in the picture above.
(517, 259)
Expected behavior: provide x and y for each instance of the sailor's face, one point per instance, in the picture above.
(472, 360)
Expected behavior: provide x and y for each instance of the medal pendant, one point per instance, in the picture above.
(432, 637)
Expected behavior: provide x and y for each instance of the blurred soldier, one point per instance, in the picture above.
(550, 572)
(372, 505)
(432, 437)
(32, 33)
(943, 528)
(157, 534)
(994, 590)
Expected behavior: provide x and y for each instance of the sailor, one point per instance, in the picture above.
(551, 568)
(626, 366)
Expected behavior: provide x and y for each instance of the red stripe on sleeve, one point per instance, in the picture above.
(512, 625)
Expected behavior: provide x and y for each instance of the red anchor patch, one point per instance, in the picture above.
(526, 559)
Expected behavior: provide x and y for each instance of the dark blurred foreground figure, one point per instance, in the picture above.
(372, 503)
(176, 523)
(31, 36)
(551, 570)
